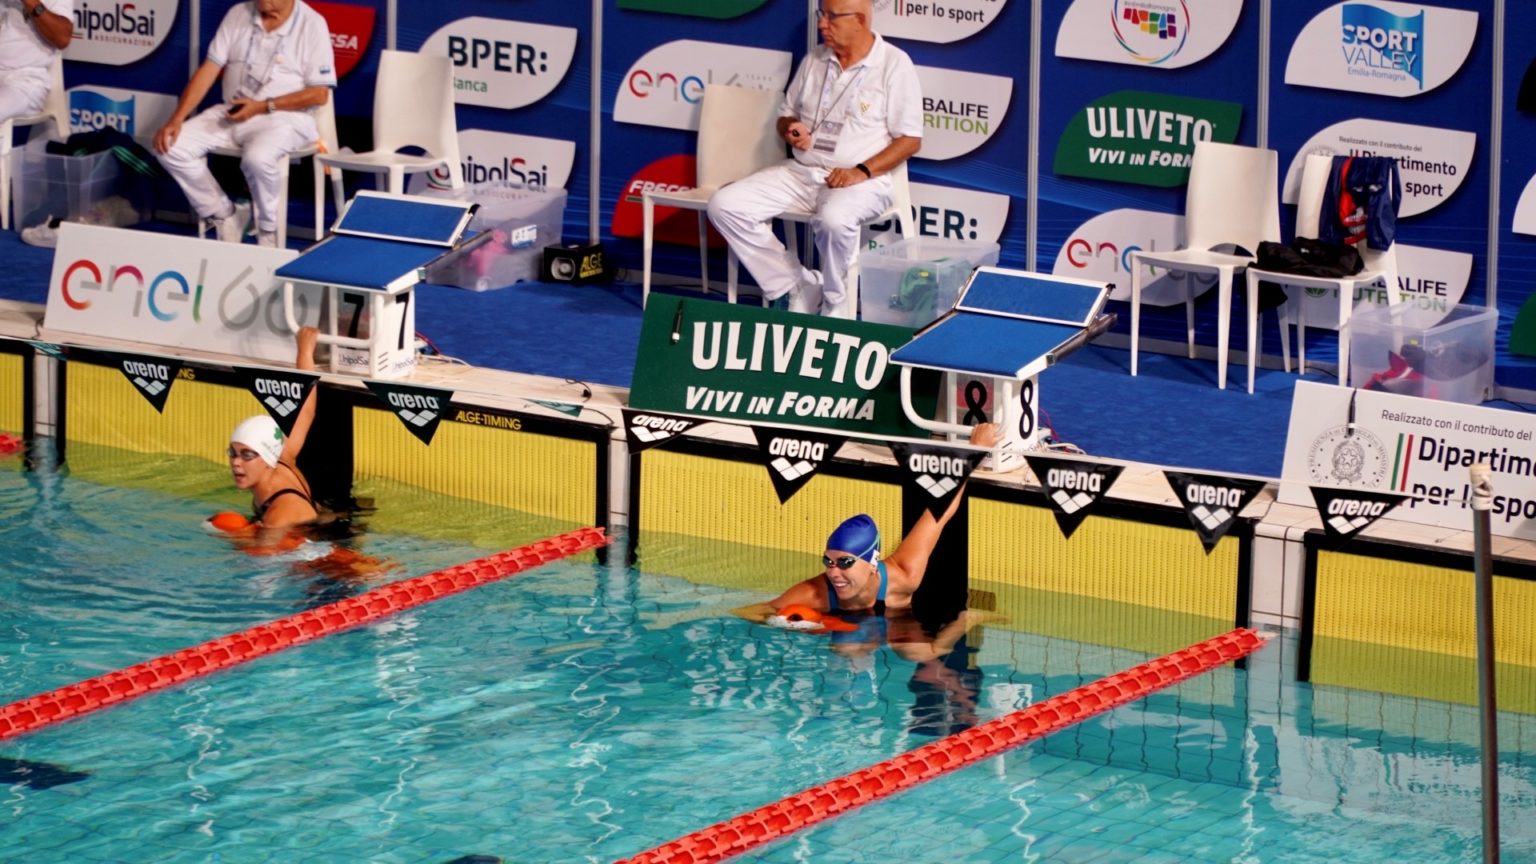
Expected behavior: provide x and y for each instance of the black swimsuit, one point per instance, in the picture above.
(261, 509)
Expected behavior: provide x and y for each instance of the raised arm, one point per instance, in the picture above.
(912, 555)
(294, 444)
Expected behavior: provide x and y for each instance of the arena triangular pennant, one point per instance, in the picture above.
(419, 408)
(645, 429)
(794, 456)
(1211, 502)
(1347, 512)
(281, 391)
(151, 376)
(935, 473)
(1072, 486)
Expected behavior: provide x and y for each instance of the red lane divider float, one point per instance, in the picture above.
(819, 803)
(10, 444)
(45, 709)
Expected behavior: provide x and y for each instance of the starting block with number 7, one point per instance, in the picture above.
(1007, 327)
(376, 255)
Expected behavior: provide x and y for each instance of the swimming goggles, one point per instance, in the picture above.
(843, 562)
(242, 454)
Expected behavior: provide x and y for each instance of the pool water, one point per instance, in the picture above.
(587, 711)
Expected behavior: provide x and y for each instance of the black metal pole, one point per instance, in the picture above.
(1487, 701)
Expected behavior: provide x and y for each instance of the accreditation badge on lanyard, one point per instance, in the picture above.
(826, 130)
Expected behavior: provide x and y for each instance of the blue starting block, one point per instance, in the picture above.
(1007, 327)
(376, 255)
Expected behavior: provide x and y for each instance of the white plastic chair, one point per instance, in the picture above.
(412, 107)
(1380, 266)
(55, 110)
(900, 210)
(325, 120)
(1233, 199)
(726, 153)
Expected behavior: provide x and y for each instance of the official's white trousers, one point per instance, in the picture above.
(264, 142)
(743, 213)
(22, 92)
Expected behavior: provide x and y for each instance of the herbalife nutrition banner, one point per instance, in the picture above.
(1421, 448)
(755, 365)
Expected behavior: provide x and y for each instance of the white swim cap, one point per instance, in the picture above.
(260, 433)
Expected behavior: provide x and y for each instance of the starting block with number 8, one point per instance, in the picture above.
(376, 255)
(1007, 327)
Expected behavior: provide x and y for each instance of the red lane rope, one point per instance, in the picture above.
(45, 709)
(819, 803)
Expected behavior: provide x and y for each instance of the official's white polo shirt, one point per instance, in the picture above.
(262, 65)
(21, 46)
(877, 100)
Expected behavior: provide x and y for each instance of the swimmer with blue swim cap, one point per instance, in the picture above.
(856, 578)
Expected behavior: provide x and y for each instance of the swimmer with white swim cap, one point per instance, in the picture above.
(264, 461)
(856, 579)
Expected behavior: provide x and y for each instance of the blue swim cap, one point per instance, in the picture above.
(858, 535)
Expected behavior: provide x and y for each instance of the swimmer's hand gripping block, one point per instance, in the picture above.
(19, 718)
(804, 809)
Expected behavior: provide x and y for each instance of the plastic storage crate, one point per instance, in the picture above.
(912, 282)
(75, 188)
(1417, 348)
(523, 220)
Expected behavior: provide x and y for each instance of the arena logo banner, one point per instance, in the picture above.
(501, 157)
(935, 474)
(646, 429)
(754, 365)
(1073, 487)
(503, 64)
(696, 8)
(1133, 136)
(1421, 448)
(1347, 512)
(1100, 249)
(928, 21)
(1435, 279)
(151, 376)
(666, 86)
(675, 173)
(1212, 503)
(961, 110)
(1159, 34)
(127, 111)
(351, 29)
(419, 408)
(116, 34)
(794, 457)
(1383, 48)
(174, 292)
(1433, 162)
(281, 391)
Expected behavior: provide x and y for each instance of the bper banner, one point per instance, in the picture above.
(755, 365)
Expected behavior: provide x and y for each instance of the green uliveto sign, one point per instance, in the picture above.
(755, 365)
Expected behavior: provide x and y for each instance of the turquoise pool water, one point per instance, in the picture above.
(587, 712)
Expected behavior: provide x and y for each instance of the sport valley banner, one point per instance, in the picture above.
(754, 365)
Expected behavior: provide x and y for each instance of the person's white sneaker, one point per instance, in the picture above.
(267, 239)
(45, 234)
(231, 229)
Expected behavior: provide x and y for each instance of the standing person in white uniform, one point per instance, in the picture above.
(32, 33)
(278, 65)
(853, 112)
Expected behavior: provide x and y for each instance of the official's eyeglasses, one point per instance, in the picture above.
(843, 562)
(832, 16)
(242, 454)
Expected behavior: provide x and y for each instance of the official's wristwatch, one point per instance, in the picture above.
(271, 106)
(37, 11)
